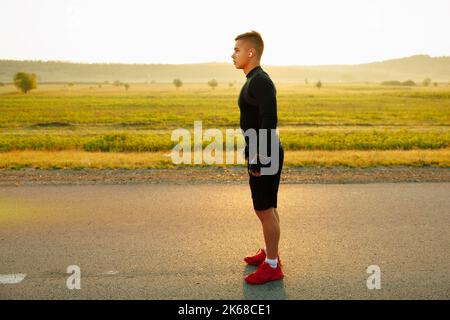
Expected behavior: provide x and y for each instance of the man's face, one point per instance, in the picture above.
(241, 53)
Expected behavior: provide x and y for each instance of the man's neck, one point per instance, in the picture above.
(250, 67)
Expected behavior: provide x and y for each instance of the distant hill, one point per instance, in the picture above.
(415, 68)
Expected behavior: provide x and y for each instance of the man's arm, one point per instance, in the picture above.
(264, 92)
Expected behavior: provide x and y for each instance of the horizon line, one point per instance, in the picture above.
(216, 62)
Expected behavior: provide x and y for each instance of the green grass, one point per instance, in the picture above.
(162, 107)
(123, 141)
(109, 119)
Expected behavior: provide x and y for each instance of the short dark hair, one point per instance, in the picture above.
(255, 38)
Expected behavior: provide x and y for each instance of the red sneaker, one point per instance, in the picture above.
(265, 273)
(258, 258)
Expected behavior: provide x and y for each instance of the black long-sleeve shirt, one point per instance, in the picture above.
(258, 107)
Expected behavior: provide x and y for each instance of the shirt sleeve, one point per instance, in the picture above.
(263, 91)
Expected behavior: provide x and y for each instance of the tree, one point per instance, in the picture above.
(319, 84)
(25, 81)
(426, 82)
(408, 83)
(306, 80)
(177, 83)
(213, 83)
(2, 84)
(127, 86)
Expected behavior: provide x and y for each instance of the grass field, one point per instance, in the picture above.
(340, 124)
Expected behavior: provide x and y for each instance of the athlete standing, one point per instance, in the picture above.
(258, 110)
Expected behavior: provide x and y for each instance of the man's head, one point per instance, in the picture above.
(249, 48)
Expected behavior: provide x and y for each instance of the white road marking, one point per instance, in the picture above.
(12, 278)
(112, 272)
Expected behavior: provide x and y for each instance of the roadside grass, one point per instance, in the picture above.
(340, 124)
(136, 160)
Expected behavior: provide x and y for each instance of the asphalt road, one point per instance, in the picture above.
(165, 241)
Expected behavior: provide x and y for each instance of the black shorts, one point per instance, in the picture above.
(265, 187)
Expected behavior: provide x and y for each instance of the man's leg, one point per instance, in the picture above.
(271, 230)
(276, 214)
(270, 270)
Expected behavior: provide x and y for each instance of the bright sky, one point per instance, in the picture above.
(179, 31)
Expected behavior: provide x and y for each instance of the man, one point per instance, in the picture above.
(258, 110)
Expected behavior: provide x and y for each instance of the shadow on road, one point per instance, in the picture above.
(271, 290)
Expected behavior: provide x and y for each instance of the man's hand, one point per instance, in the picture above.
(255, 172)
(254, 169)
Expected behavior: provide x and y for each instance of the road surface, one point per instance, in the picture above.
(165, 241)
